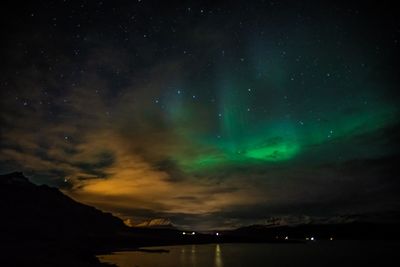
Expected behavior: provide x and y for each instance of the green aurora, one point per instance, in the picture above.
(245, 124)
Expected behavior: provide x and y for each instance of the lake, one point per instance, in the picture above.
(319, 253)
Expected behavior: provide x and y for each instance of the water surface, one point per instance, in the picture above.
(323, 253)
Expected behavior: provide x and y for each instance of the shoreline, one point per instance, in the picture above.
(148, 248)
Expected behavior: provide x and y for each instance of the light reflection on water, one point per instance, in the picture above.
(337, 253)
(193, 256)
(218, 258)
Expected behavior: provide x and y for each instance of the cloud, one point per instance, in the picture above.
(110, 149)
(120, 140)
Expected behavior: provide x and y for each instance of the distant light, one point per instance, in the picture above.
(312, 238)
(217, 234)
(307, 238)
(331, 238)
(286, 237)
(193, 233)
(183, 233)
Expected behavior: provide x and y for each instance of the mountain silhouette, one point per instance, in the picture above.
(48, 227)
(43, 211)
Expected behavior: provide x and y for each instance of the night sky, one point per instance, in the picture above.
(211, 114)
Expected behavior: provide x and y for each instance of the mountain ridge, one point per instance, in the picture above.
(47, 211)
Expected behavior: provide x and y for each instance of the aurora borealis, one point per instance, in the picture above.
(211, 114)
